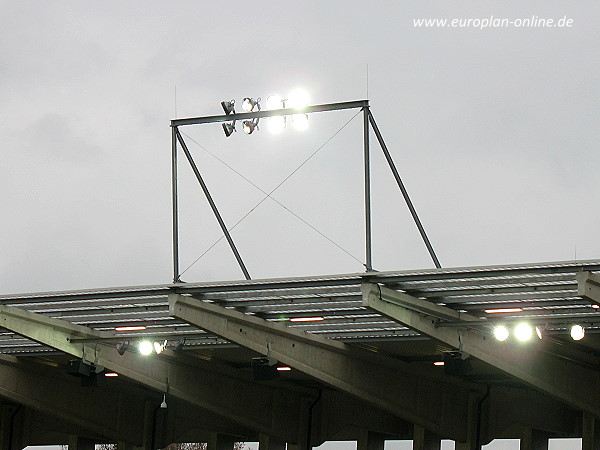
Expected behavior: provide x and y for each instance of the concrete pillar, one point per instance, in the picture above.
(368, 440)
(11, 427)
(79, 443)
(425, 440)
(5, 422)
(220, 441)
(590, 439)
(534, 440)
(266, 442)
(472, 425)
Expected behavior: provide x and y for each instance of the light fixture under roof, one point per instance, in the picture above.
(438, 363)
(131, 328)
(159, 347)
(284, 369)
(503, 310)
(501, 333)
(145, 348)
(577, 332)
(306, 319)
(523, 332)
(111, 374)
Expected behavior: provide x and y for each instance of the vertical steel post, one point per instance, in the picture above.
(175, 204)
(367, 161)
(213, 206)
(412, 209)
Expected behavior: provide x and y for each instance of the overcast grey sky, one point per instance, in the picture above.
(494, 131)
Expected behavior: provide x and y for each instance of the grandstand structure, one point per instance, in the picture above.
(373, 356)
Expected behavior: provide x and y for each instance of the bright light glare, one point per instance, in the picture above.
(145, 348)
(158, 347)
(577, 332)
(284, 369)
(276, 124)
(131, 328)
(523, 332)
(298, 99)
(306, 319)
(438, 363)
(501, 333)
(249, 104)
(502, 310)
(300, 121)
(539, 333)
(274, 102)
(111, 374)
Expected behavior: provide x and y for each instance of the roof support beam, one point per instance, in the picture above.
(563, 379)
(427, 399)
(588, 286)
(220, 392)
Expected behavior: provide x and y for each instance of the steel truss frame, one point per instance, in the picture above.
(368, 124)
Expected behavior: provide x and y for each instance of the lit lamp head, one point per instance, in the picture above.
(275, 101)
(250, 125)
(300, 121)
(298, 99)
(577, 332)
(249, 104)
(523, 332)
(501, 333)
(145, 348)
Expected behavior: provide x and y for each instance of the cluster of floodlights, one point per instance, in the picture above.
(524, 332)
(297, 99)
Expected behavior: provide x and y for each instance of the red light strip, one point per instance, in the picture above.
(503, 310)
(306, 319)
(131, 328)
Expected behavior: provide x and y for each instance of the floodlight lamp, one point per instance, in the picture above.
(523, 332)
(122, 347)
(228, 107)
(539, 332)
(145, 348)
(229, 128)
(275, 102)
(501, 333)
(249, 104)
(158, 347)
(277, 124)
(298, 99)
(300, 121)
(250, 125)
(577, 332)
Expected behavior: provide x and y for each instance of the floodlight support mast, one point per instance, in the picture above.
(368, 123)
(213, 205)
(411, 208)
(367, 164)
